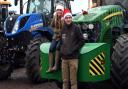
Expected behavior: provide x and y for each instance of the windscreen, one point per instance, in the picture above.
(43, 6)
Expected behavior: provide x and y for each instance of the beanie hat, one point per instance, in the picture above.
(60, 7)
(67, 13)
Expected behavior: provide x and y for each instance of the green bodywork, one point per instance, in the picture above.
(94, 62)
(97, 15)
(88, 52)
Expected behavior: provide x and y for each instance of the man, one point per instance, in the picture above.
(71, 41)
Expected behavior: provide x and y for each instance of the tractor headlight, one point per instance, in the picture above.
(15, 28)
(85, 35)
(4, 26)
(90, 26)
(84, 26)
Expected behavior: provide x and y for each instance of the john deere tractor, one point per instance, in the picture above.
(101, 26)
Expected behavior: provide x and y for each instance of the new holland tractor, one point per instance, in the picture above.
(20, 30)
(101, 26)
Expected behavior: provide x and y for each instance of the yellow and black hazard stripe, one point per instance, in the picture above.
(97, 65)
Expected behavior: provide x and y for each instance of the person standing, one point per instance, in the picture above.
(56, 24)
(71, 42)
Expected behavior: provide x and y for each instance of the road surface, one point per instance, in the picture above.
(18, 80)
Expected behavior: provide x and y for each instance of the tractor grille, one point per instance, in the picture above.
(10, 22)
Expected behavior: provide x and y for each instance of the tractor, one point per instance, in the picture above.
(99, 61)
(4, 4)
(21, 29)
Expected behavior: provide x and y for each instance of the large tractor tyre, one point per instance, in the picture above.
(19, 60)
(33, 59)
(5, 71)
(6, 66)
(119, 70)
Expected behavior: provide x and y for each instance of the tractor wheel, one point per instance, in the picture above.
(119, 70)
(5, 71)
(33, 59)
(2, 40)
(6, 67)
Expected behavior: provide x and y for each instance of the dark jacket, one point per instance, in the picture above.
(71, 41)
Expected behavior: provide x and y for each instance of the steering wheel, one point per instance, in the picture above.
(45, 11)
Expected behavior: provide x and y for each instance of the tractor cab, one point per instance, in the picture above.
(45, 7)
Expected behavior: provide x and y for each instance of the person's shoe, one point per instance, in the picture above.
(49, 70)
(54, 68)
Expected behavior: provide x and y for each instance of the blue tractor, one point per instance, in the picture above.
(21, 29)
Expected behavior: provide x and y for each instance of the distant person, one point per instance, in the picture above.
(57, 25)
(71, 42)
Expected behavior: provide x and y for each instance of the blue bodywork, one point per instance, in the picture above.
(33, 20)
(19, 30)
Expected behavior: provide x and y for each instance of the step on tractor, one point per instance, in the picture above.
(99, 61)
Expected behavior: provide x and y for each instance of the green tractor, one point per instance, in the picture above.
(101, 26)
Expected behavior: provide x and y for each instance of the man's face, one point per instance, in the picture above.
(59, 12)
(68, 20)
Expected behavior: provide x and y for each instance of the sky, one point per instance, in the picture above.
(13, 7)
(77, 6)
(16, 8)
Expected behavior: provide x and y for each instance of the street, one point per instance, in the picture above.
(18, 80)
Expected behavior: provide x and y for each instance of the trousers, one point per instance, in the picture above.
(69, 73)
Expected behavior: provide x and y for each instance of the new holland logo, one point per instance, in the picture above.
(34, 27)
(97, 65)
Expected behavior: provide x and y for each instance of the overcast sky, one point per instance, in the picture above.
(77, 6)
(17, 8)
